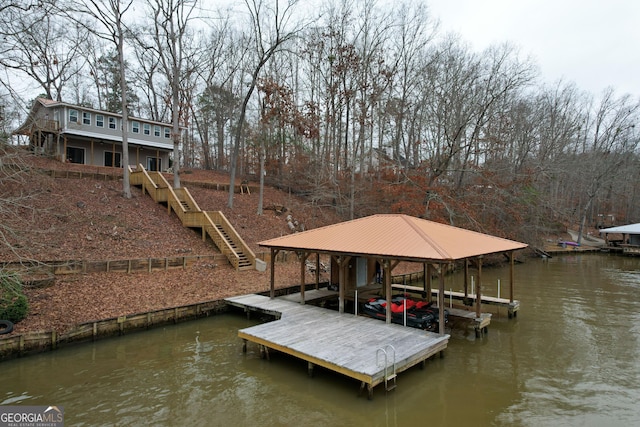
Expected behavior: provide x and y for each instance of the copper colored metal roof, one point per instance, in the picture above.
(395, 236)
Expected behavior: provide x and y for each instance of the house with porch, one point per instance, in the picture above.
(79, 134)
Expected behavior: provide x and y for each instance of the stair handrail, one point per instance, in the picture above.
(190, 200)
(152, 186)
(172, 197)
(227, 226)
(213, 226)
(149, 184)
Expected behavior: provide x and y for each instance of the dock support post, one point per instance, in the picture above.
(310, 369)
(511, 277)
(341, 284)
(481, 331)
(466, 282)
(317, 270)
(369, 388)
(303, 261)
(264, 352)
(386, 265)
(343, 263)
(441, 301)
(479, 291)
(272, 292)
(244, 345)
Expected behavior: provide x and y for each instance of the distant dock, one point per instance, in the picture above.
(368, 350)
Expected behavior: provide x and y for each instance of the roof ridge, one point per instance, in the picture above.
(425, 236)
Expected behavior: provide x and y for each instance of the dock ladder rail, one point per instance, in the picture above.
(388, 378)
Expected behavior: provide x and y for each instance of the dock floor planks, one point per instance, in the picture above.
(344, 343)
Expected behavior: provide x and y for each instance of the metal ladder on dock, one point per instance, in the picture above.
(389, 379)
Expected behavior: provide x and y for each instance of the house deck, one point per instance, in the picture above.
(365, 349)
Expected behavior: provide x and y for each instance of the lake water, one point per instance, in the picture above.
(570, 358)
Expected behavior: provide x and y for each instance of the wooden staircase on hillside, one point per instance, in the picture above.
(213, 223)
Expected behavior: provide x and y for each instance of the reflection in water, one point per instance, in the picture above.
(569, 358)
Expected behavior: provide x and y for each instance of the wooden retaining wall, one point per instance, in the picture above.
(36, 342)
(116, 175)
(100, 176)
(238, 188)
(139, 265)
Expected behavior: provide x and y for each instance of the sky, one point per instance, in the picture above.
(594, 43)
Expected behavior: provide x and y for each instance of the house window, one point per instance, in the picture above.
(167, 133)
(73, 116)
(112, 122)
(156, 130)
(135, 127)
(75, 155)
(86, 118)
(146, 128)
(154, 164)
(99, 120)
(112, 159)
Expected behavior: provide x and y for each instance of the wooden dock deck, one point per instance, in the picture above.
(479, 324)
(365, 349)
(311, 296)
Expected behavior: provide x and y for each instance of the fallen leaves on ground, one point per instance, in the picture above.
(88, 219)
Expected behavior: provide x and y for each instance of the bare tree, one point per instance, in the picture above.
(270, 31)
(109, 15)
(151, 86)
(14, 201)
(224, 50)
(613, 143)
(170, 31)
(43, 47)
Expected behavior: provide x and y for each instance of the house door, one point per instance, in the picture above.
(75, 155)
(154, 164)
(111, 160)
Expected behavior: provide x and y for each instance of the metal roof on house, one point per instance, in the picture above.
(395, 236)
(624, 229)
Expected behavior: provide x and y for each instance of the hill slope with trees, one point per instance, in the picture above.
(350, 109)
(365, 107)
(47, 219)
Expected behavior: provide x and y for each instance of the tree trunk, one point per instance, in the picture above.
(126, 187)
(585, 212)
(262, 173)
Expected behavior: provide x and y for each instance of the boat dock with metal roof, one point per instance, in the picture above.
(365, 349)
(367, 249)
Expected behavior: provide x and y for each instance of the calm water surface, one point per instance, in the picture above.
(570, 358)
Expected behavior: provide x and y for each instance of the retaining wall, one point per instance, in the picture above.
(35, 342)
